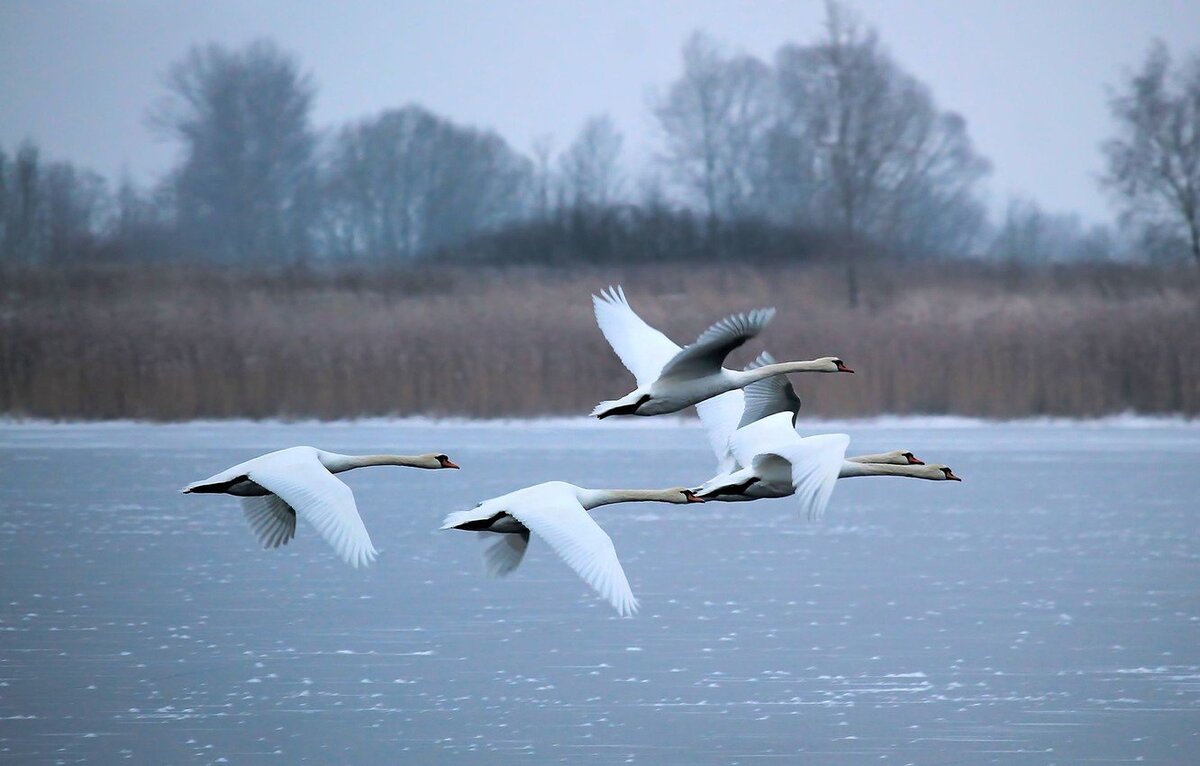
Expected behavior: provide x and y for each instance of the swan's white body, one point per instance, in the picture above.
(670, 378)
(558, 513)
(277, 487)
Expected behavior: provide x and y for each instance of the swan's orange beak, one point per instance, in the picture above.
(692, 497)
(950, 475)
(448, 463)
(841, 366)
(913, 459)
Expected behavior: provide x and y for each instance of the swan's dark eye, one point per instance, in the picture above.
(443, 457)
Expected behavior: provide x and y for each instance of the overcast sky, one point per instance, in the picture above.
(1029, 75)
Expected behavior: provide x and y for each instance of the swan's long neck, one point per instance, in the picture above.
(594, 498)
(337, 463)
(746, 377)
(889, 458)
(851, 469)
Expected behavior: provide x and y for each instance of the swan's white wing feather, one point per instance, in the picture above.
(502, 556)
(707, 354)
(768, 396)
(324, 501)
(272, 519)
(761, 436)
(642, 349)
(720, 416)
(559, 519)
(816, 462)
(723, 415)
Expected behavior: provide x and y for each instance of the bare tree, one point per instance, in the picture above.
(75, 206)
(22, 179)
(407, 181)
(49, 212)
(1154, 162)
(881, 154)
(245, 187)
(590, 166)
(543, 176)
(715, 120)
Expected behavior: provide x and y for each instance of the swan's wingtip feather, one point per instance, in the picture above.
(611, 295)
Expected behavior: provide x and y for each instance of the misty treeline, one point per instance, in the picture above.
(971, 338)
(830, 148)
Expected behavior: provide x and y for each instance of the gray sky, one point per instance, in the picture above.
(1029, 75)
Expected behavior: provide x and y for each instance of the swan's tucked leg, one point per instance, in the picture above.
(504, 555)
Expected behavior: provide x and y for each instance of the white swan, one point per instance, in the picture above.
(772, 460)
(670, 378)
(277, 487)
(558, 513)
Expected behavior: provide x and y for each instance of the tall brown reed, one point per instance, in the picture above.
(932, 338)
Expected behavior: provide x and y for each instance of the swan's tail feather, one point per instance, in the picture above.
(603, 409)
(458, 518)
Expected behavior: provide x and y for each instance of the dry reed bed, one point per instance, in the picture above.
(178, 344)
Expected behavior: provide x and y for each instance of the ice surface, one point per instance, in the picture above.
(1046, 610)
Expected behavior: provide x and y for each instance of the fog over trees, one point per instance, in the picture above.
(830, 149)
(408, 181)
(245, 187)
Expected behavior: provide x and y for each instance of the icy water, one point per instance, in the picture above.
(1044, 611)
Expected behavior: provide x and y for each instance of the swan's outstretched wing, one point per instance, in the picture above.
(502, 556)
(761, 436)
(720, 415)
(815, 463)
(642, 349)
(323, 500)
(561, 521)
(768, 396)
(707, 354)
(273, 520)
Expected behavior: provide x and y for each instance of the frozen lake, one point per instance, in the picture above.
(1046, 610)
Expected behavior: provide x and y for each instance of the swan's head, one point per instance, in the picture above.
(683, 495)
(944, 470)
(898, 457)
(833, 364)
(435, 460)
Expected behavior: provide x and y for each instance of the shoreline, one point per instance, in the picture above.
(935, 422)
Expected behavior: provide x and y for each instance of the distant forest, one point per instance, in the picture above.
(829, 150)
(406, 264)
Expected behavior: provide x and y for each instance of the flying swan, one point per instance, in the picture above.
(765, 457)
(670, 378)
(277, 487)
(558, 513)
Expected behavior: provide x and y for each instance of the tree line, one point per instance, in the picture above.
(830, 148)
